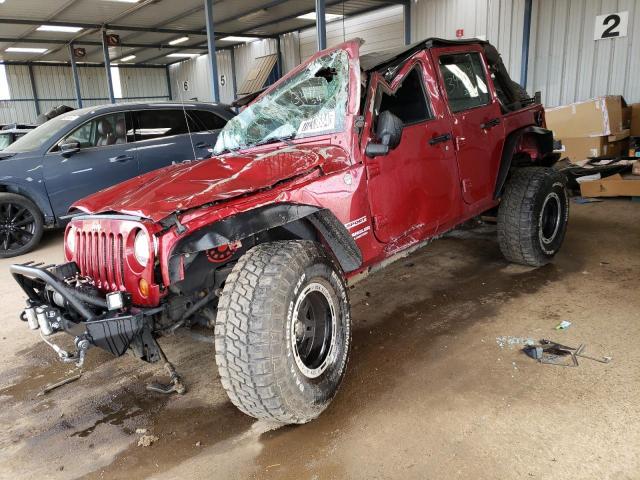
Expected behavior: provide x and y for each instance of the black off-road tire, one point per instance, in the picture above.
(21, 225)
(256, 331)
(533, 216)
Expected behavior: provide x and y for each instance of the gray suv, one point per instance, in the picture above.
(83, 151)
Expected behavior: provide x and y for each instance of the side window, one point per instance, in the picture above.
(159, 123)
(101, 131)
(464, 80)
(409, 102)
(208, 120)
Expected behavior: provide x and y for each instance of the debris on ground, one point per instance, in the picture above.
(141, 431)
(553, 353)
(584, 200)
(147, 440)
(511, 342)
(59, 384)
(563, 325)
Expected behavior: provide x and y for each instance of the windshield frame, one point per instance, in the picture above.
(61, 125)
(351, 79)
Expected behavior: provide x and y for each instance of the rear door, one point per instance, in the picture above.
(413, 189)
(206, 125)
(162, 138)
(105, 158)
(477, 128)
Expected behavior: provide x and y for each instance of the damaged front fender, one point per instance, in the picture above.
(253, 222)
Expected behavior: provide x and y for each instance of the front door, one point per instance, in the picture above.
(105, 158)
(413, 188)
(477, 128)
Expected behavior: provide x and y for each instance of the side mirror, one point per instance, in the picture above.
(69, 147)
(389, 133)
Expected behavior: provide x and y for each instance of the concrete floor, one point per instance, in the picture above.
(433, 388)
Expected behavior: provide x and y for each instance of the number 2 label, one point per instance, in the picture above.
(611, 25)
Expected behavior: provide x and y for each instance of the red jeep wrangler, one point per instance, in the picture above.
(343, 165)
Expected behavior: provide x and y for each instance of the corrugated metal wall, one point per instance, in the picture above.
(54, 86)
(567, 65)
(290, 50)
(247, 53)
(196, 72)
(20, 89)
(381, 29)
(499, 21)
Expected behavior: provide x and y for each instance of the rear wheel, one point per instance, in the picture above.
(283, 331)
(533, 215)
(21, 225)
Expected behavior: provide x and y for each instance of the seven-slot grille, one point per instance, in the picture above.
(100, 256)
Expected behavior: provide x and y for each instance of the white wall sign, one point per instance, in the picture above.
(611, 25)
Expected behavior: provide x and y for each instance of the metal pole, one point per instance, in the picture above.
(166, 69)
(107, 66)
(321, 25)
(406, 9)
(526, 34)
(76, 78)
(233, 72)
(33, 90)
(279, 60)
(211, 44)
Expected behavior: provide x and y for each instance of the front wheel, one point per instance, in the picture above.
(533, 216)
(21, 225)
(283, 331)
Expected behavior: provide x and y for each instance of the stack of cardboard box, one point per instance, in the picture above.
(593, 128)
(600, 127)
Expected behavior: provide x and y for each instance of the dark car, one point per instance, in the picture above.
(80, 152)
(12, 132)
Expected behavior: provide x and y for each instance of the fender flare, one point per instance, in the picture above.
(41, 201)
(252, 222)
(544, 138)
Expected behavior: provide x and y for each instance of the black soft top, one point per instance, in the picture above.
(512, 95)
(377, 60)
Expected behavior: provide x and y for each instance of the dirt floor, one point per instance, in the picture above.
(437, 385)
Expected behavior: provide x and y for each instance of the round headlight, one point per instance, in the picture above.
(71, 240)
(141, 247)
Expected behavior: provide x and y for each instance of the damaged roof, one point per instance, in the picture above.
(377, 60)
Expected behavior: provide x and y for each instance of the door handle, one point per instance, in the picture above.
(202, 145)
(440, 138)
(494, 122)
(122, 158)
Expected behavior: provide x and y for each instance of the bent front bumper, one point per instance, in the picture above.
(80, 314)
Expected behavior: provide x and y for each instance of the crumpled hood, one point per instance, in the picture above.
(158, 194)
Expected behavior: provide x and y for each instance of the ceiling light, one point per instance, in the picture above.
(183, 55)
(127, 58)
(327, 16)
(58, 28)
(178, 40)
(25, 50)
(124, 1)
(232, 38)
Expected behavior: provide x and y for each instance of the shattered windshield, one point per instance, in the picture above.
(312, 102)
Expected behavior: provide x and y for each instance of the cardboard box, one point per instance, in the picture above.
(592, 118)
(635, 119)
(580, 148)
(613, 186)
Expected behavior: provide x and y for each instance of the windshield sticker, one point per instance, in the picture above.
(322, 122)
